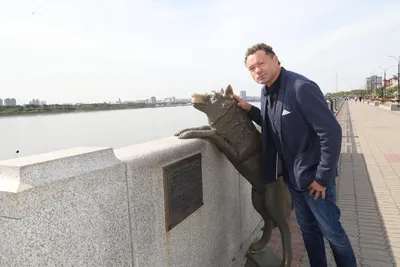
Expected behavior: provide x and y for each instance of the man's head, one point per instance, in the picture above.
(262, 63)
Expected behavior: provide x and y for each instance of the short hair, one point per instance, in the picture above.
(257, 47)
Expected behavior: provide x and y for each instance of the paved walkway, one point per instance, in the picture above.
(368, 187)
(369, 184)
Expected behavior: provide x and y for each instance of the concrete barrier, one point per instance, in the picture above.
(67, 208)
(100, 207)
(374, 103)
(390, 106)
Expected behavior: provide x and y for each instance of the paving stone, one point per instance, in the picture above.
(373, 239)
(394, 246)
(353, 240)
(351, 232)
(349, 216)
(375, 252)
(369, 224)
(368, 220)
(382, 247)
(393, 242)
(395, 253)
(375, 263)
(396, 261)
(371, 230)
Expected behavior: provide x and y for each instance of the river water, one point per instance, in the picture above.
(31, 135)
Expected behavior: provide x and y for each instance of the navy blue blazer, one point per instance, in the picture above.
(310, 135)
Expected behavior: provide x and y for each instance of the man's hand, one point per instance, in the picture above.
(317, 188)
(241, 103)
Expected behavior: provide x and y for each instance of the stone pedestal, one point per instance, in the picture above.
(264, 258)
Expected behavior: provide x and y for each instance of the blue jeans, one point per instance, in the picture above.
(318, 219)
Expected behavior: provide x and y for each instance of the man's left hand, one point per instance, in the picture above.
(317, 188)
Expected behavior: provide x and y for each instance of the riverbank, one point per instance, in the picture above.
(55, 109)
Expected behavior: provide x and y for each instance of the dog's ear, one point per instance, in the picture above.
(229, 90)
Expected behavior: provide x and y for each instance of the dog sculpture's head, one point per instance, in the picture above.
(216, 104)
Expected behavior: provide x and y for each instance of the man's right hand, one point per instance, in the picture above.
(241, 103)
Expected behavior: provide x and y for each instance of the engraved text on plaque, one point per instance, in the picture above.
(183, 189)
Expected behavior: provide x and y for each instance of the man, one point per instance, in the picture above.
(298, 126)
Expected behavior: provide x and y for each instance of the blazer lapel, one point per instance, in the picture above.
(279, 105)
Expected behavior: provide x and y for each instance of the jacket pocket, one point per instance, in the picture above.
(305, 164)
(289, 121)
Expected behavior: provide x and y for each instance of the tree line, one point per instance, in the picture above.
(61, 108)
(389, 92)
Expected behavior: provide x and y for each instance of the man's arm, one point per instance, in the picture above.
(313, 105)
(252, 111)
(255, 114)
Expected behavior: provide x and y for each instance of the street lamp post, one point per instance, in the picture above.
(398, 77)
(384, 80)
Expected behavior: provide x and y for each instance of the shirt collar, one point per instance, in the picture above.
(274, 87)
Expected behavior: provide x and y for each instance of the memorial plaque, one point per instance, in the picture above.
(183, 189)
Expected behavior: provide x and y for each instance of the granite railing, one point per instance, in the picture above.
(335, 104)
(169, 202)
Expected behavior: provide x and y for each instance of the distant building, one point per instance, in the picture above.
(373, 82)
(169, 99)
(10, 102)
(141, 101)
(253, 98)
(368, 84)
(1, 102)
(153, 100)
(35, 102)
(243, 95)
(184, 100)
(393, 81)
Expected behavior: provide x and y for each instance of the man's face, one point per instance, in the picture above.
(262, 67)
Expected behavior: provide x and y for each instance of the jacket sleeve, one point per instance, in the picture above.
(312, 104)
(255, 114)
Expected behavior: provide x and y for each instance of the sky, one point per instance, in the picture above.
(100, 51)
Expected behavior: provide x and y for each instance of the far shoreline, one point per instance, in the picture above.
(56, 109)
(50, 110)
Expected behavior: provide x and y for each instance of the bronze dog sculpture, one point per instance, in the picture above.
(234, 134)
